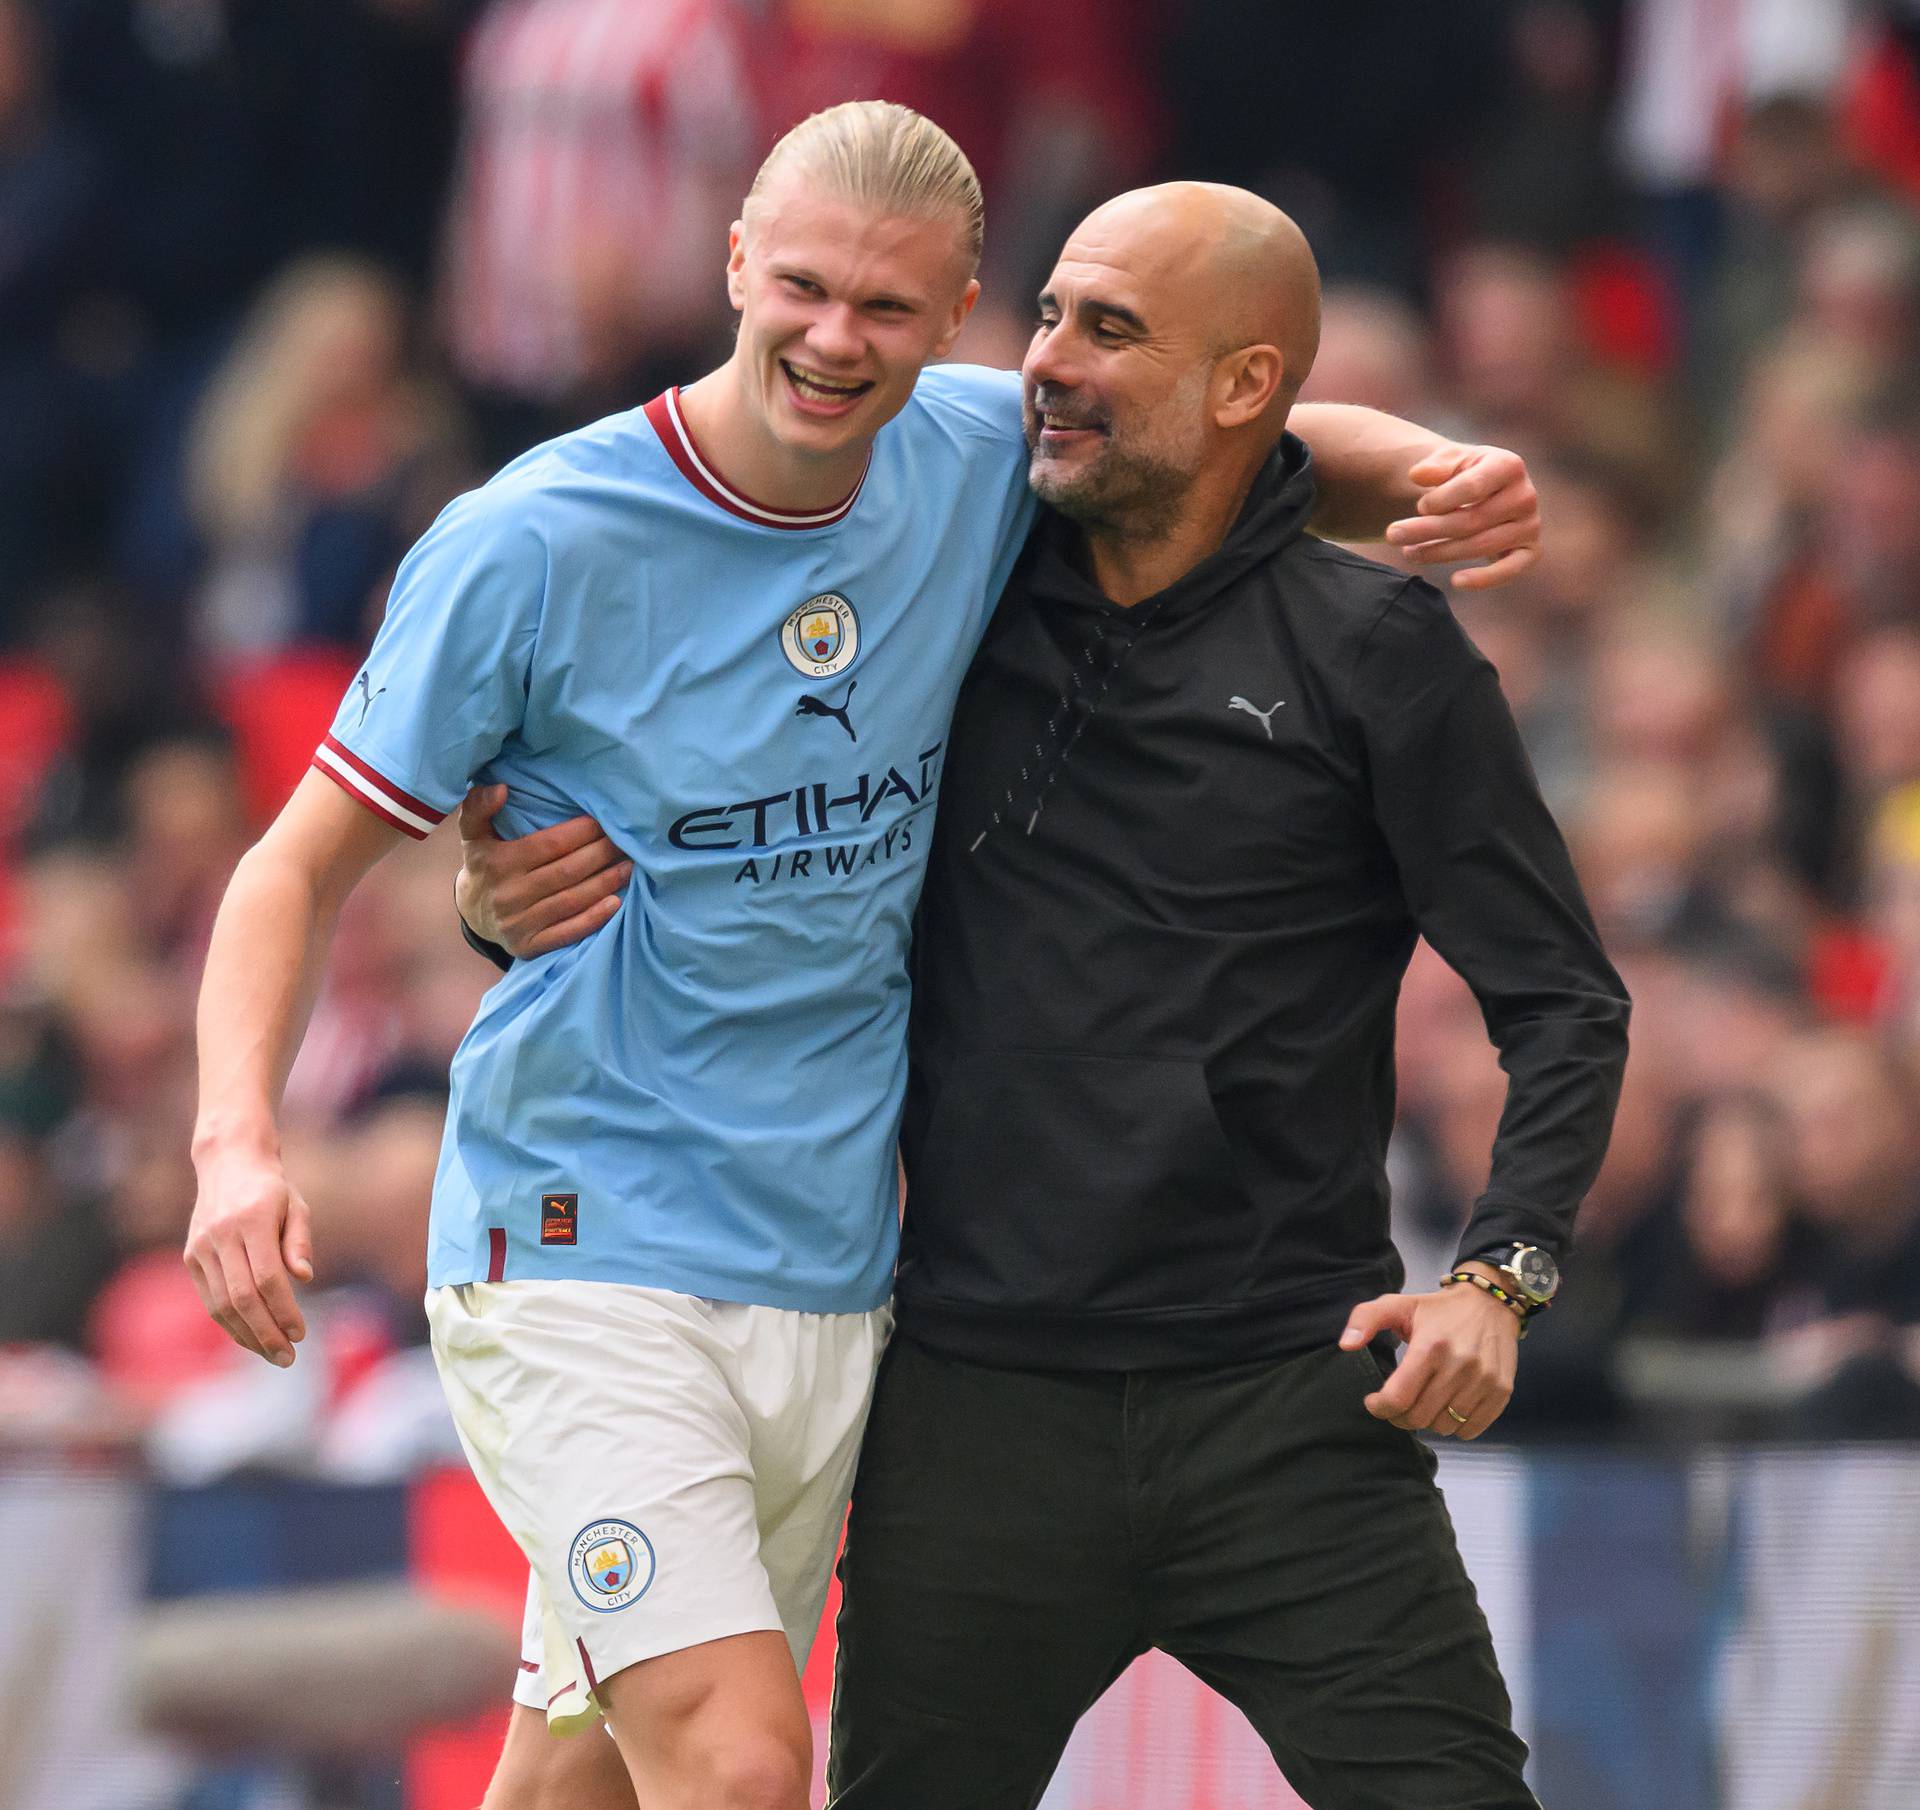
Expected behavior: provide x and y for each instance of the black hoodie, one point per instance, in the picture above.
(1183, 854)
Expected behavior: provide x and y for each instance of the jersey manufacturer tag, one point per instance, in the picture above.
(559, 1219)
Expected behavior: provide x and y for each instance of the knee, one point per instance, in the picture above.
(579, 1772)
(752, 1772)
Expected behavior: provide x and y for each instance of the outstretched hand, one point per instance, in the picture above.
(539, 892)
(1477, 502)
(1456, 1375)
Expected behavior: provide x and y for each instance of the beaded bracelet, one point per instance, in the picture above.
(1523, 1310)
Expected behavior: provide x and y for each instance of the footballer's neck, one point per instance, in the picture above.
(730, 428)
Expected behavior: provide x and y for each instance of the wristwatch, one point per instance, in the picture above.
(1529, 1271)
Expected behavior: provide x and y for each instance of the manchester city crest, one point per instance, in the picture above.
(821, 637)
(610, 1565)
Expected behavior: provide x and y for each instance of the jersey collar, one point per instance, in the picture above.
(664, 414)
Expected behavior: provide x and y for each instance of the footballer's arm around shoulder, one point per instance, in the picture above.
(1441, 502)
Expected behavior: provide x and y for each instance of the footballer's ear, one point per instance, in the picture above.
(737, 265)
(961, 309)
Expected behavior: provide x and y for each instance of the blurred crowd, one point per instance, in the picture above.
(278, 277)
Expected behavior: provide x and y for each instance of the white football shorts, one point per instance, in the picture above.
(675, 1469)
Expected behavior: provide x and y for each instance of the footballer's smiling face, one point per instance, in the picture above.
(841, 307)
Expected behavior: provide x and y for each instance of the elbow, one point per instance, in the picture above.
(273, 876)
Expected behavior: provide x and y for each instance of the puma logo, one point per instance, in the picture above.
(812, 706)
(1265, 716)
(366, 698)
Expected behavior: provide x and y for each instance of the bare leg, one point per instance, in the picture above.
(720, 1726)
(539, 1771)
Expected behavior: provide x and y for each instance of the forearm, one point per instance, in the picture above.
(1361, 460)
(1565, 1084)
(1499, 900)
(263, 969)
(1486, 875)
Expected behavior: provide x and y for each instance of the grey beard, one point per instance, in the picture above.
(1130, 496)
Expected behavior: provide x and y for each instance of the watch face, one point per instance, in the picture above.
(1538, 1273)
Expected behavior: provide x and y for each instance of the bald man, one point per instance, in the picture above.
(1208, 779)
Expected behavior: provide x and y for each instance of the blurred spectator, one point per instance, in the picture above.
(1544, 636)
(1765, 540)
(1893, 918)
(1640, 844)
(123, 687)
(1877, 710)
(1691, 62)
(1881, 99)
(50, 184)
(147, 1330)
(315, 460)
(1512, 337)
(1858, 284)
(1853, 1159)
(1784, 168)
(1545, 176)
(1872, 519)
(1734, 1245)
(1375, 350)
(56, 1243)
(1348, 120)
(184, 832)
(605, 148)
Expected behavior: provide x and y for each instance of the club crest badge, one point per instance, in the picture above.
(821, 637)
(610, 1565)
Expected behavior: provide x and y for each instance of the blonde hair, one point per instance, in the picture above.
(886, 156)
(286, 362)
(1895, 834)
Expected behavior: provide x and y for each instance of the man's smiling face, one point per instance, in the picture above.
(1116, 379)
(841, 307)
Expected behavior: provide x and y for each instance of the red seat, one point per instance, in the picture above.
(279, 708)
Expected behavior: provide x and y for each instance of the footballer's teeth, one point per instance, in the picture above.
(818, 386)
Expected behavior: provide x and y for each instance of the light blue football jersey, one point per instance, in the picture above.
(703, 1096)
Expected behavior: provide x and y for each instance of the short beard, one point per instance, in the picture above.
(1125, 496)
(1131, 492)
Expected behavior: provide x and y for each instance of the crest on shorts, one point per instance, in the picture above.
(821, 637)
(610, 1565)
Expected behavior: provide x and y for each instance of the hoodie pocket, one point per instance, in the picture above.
(1079, 1182)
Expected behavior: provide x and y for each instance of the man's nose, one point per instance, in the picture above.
(835, 334)
(1050, 358)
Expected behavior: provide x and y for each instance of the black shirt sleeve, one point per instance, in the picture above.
(1488, 880)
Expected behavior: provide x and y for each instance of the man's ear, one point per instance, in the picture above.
(737, 265)
(1246, 383)
(961, 309)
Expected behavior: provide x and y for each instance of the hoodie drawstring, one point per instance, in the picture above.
(1055, 743)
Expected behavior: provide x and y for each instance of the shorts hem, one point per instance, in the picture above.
(607, 1662)
(732, 1291)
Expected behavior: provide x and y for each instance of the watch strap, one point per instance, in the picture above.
(480, 946)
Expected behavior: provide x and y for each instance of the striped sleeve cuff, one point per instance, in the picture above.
(378, 793)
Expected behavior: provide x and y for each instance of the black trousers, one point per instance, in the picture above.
(1018, 1538)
